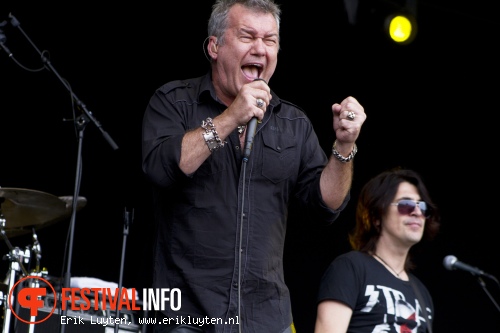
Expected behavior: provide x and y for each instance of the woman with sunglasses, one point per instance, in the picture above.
(372, 289)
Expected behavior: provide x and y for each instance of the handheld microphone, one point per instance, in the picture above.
(251, 129)
(451, 262)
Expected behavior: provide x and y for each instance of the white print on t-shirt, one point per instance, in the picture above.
(406, 318)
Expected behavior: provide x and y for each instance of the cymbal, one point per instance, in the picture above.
(25, 209)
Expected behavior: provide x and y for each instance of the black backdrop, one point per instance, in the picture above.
(431, 106)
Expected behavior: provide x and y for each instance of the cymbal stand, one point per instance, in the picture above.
(37, 250)
(128, 218)
(6, 239)
(15, 266)
(35, 283)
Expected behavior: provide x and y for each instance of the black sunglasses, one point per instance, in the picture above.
(406, 206)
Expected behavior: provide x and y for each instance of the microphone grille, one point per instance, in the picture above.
(449, 261)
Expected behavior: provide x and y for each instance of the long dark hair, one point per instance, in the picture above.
(374, 200)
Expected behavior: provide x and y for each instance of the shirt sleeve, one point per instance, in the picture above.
(163, 129)
(314, 160)
(340, 282)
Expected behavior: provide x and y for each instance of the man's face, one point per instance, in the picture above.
(249, 51)
(404, 228)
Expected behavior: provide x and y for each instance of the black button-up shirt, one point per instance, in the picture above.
(220, 231)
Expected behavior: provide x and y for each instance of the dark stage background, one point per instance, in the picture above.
(431, 106)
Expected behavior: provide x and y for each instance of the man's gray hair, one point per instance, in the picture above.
(217, 24)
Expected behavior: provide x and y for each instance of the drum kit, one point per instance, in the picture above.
(23, 211)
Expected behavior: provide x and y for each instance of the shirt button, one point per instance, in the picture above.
(278, 148)
(235, 285)
(237, 147)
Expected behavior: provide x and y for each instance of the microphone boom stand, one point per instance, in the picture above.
(483, 285)
(81, 122)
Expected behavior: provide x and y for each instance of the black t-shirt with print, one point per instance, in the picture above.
(381, 302)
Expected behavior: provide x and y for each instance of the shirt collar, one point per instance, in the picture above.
(207, 89)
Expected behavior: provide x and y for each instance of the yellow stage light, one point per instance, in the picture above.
(401, 28)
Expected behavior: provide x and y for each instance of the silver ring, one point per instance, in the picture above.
(351, 115)
(260, 102)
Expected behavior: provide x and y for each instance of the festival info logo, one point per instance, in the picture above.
(31, 298)
(29, 294)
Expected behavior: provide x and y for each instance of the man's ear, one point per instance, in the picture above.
(214, 46)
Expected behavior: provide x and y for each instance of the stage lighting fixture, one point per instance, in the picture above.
(401, 28)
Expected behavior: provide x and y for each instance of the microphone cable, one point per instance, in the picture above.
(251, 131)
(240, 247)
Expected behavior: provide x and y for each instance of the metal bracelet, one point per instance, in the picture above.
(211, 136)
(342, 158)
